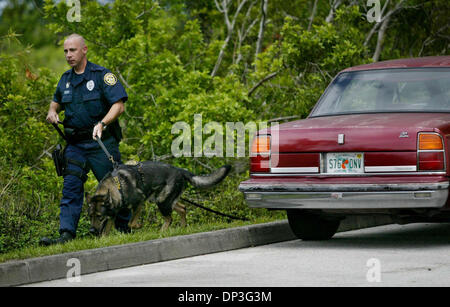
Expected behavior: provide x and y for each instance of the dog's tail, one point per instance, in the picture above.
(206, 181)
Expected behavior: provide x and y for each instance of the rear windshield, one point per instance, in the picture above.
(387, 90)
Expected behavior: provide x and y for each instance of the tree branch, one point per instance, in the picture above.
(388, 15)
(230, 29)
(313, 14)
(242, 33)
(334, 7)
(380, 39)
(267, 78)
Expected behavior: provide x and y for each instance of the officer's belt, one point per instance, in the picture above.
(76, 135)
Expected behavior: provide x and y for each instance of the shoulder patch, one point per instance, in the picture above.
(110, 79)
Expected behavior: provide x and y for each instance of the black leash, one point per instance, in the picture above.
(213, 211)
(110, 157)
(59, 131)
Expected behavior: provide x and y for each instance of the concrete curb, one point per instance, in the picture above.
(115, 257)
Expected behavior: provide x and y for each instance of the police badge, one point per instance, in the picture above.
(90, 85)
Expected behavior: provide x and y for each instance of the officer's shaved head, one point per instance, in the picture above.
(75, 50)
(77, 37)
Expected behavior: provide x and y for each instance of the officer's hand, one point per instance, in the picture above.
(97, 131)
(52, 117)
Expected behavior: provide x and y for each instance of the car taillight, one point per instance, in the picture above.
(430, 152)
(261, 145)
(430, 141)
(260, 154)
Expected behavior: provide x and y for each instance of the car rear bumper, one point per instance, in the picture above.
(345, 196)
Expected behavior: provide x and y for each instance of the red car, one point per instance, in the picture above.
(377, 142)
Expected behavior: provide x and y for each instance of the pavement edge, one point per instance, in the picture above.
(14, 273)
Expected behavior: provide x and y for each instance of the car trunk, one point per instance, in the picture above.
(383, 142)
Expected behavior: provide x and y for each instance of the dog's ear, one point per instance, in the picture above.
(99, 198)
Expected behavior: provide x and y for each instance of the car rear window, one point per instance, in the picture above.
(387, 90)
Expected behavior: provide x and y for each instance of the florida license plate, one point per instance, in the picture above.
(345, 163)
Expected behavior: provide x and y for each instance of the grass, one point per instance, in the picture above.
(117, 238)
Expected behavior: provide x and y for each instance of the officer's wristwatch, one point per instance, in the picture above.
(103, 124)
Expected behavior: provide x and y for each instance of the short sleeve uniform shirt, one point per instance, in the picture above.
(87, 97)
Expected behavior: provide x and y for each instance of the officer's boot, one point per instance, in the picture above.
(64, 237)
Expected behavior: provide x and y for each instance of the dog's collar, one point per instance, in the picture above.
(117, 182)
(116, 178)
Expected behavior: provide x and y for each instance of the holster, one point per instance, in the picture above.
(58, 159)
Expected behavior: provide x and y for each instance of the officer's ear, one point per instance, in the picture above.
(84, 49)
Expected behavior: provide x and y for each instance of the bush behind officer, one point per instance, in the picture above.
(92, 99)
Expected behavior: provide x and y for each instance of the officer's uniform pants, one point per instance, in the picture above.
(88, 155)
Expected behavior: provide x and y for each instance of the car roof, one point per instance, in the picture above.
(432, 61)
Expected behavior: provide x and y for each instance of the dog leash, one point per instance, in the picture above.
(59, 130)
(110, 157)
(213, 211)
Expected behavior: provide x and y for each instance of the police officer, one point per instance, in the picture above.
(92, 99)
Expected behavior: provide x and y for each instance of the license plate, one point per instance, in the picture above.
(345, 163)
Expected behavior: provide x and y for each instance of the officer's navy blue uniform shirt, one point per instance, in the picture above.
(86, 98)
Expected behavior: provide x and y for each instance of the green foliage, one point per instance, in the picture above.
(25, 17)
(25, 186)
(306, 61)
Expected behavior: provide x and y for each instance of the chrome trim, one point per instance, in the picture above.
(432, 150)
(278, 170)
(346, 196)
(404, 134)
(322, 163)
(349, 200)
(398, 168)
(341, 187)
(347, 175)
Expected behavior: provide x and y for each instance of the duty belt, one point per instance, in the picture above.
(74, 135)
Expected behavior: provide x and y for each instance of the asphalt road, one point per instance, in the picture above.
(392, 255)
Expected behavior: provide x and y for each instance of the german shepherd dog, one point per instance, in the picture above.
(129, 186)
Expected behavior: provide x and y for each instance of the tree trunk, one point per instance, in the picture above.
(380, 41)
(224, 8)
(313, 14)
(261, 27)
(334, 6)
